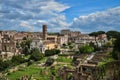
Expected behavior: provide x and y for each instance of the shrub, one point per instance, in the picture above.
(36, 55)
(4, 64)
(52, 52)
(18, 59)
(86, 49)
(49, 62)
(30, 62)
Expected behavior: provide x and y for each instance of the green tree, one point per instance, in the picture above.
(72, 45)
(108, 44)
(116, 48)
(36, 55)
(17, 45)
(112, 34)
(100, 32)
(18, 59)
(49, 61)
(95, 34)
(25, 45)
(5, 64)
(26, 50)
(1, 65)
(86, 49)
(52, 52)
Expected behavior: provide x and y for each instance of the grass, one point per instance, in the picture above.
(33, 70)
(23, 71)
(43, 59)
(39, 73)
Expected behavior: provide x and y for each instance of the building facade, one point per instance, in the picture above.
(37, 43)
(8, 44)
(62, 39)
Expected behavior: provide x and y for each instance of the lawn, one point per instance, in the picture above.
(24, 71)
(64, 59)
(37, 72)
(32, 70)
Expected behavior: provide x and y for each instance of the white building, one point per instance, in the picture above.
(37, 43)
(83, 38)
(63, 39)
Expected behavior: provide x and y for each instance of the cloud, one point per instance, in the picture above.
(31, 14)
(54, 6)
(26, 25)
(58, 23)
(104, 20)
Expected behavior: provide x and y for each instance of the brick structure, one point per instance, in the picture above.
(8, 44)
(44, 32)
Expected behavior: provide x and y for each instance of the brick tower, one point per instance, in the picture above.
(44, 32)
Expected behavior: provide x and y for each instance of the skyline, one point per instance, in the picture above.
(84, 16)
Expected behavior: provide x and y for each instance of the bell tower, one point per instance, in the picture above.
(44, 27)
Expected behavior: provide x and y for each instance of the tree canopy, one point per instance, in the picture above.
(101, 32)
(97, 33)
(112, 34)
(93, 34)
(86, 49)
(25, 45)
(4, 64)
(52, 52)
(116, 48)
(18, 59)
(36, 54)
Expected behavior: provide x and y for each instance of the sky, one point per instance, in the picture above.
(78, 15)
